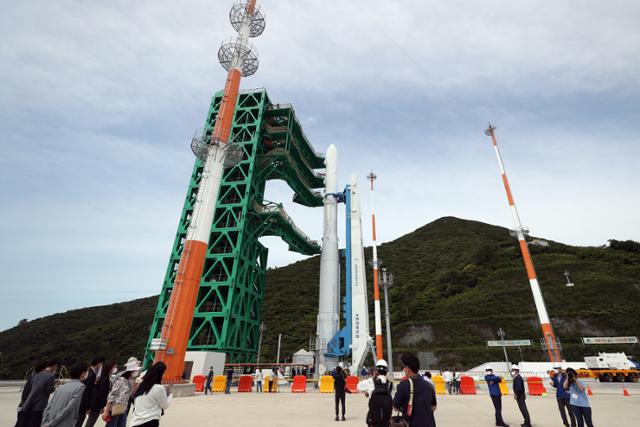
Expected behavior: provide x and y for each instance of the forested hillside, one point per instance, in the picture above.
(456, 282)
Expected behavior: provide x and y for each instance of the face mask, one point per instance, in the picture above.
(114, 371)
(489, 372)
(135, 374)
(514, 373)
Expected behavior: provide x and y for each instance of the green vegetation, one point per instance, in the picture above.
(456, 282)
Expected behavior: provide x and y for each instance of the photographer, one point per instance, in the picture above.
(578, 398)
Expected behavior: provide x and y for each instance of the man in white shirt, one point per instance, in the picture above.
(448, 378)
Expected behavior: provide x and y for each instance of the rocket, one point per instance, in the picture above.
(361, 342)
(329, 305)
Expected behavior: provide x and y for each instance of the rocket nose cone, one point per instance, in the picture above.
(332, 153)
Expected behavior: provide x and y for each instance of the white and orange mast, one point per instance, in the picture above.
(551, 343)
(240, 59)
(376, 273)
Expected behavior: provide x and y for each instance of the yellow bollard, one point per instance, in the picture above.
(326, 384)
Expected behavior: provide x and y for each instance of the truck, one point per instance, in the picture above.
(610, 367)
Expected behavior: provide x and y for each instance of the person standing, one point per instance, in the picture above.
(258, 380)
(562, 396)
(90, 385)
(520, 395)
(578, 398)
(493, 381)
(100, 393)
(150, 399)
(227, 387)
(415, 398)
(63, 409)
(378, 389)
(339, 390)
(207, 384)
(456, 382)
(271, 379)
(42, 385)
(117, 408)
(448, 378)
(37, 368)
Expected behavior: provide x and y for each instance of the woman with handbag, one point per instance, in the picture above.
(116, 411)
(150, 399)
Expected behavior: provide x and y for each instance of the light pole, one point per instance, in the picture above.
(504, 347)
(387, 281)
(262, 328)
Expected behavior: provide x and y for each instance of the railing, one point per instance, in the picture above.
(276, 208)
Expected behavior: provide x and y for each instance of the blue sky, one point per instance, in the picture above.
(99, 101)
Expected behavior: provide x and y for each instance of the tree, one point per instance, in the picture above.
(22, 322)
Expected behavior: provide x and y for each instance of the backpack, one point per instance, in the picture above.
(380, 404)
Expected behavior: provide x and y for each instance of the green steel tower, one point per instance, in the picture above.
(269, 144)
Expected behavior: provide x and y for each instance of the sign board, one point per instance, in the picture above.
(610, 340)
(509, 343)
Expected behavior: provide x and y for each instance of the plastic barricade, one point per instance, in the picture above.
(219, 383)
(265, 384)
(245, 384)
(199, 380)
(326, 384)
(503, 387)
(536, 388)
(352, 383)
(438, 384)
(467, 385)
(299, 384)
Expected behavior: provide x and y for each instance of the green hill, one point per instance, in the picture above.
(456, 282)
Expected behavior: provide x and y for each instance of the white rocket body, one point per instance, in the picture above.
(360, 339)
(329, 306)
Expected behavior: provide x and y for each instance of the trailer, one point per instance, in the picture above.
(611, 367)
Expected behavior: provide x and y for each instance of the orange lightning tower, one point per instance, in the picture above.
(550, 342)
(240, 59)
(376, 273)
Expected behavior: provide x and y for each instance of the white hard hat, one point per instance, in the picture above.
(516, 367)
(488, 368)
(383, 363)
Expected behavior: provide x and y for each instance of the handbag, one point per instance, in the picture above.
(399, 420)
(118, 409)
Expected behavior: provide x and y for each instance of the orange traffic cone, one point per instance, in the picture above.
(589, 392)
(625, 392)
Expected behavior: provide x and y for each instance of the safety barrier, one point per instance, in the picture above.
(536, 388)
(326, 384)
(265, 384)
(245, 384)
(199, 380)
(219, 383)
(438, 384)
(467, 385)
(503, 387)
(299, 384)
(352, 383)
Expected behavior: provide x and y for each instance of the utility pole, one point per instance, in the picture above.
(279, 342)
(504, 347)
(387, 281)
(549, 338)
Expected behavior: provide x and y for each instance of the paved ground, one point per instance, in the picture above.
(314, 410)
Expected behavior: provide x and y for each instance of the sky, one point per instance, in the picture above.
(99, 100)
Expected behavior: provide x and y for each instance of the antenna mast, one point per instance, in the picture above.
(376, 273)
(240, 59)
(550, 341)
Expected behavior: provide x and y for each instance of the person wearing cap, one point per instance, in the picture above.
(520, 395)
(117, 409)
(562, 396)
(493, 381)
(378, 389)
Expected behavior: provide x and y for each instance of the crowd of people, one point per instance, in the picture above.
(571, 396)
(93, 390)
